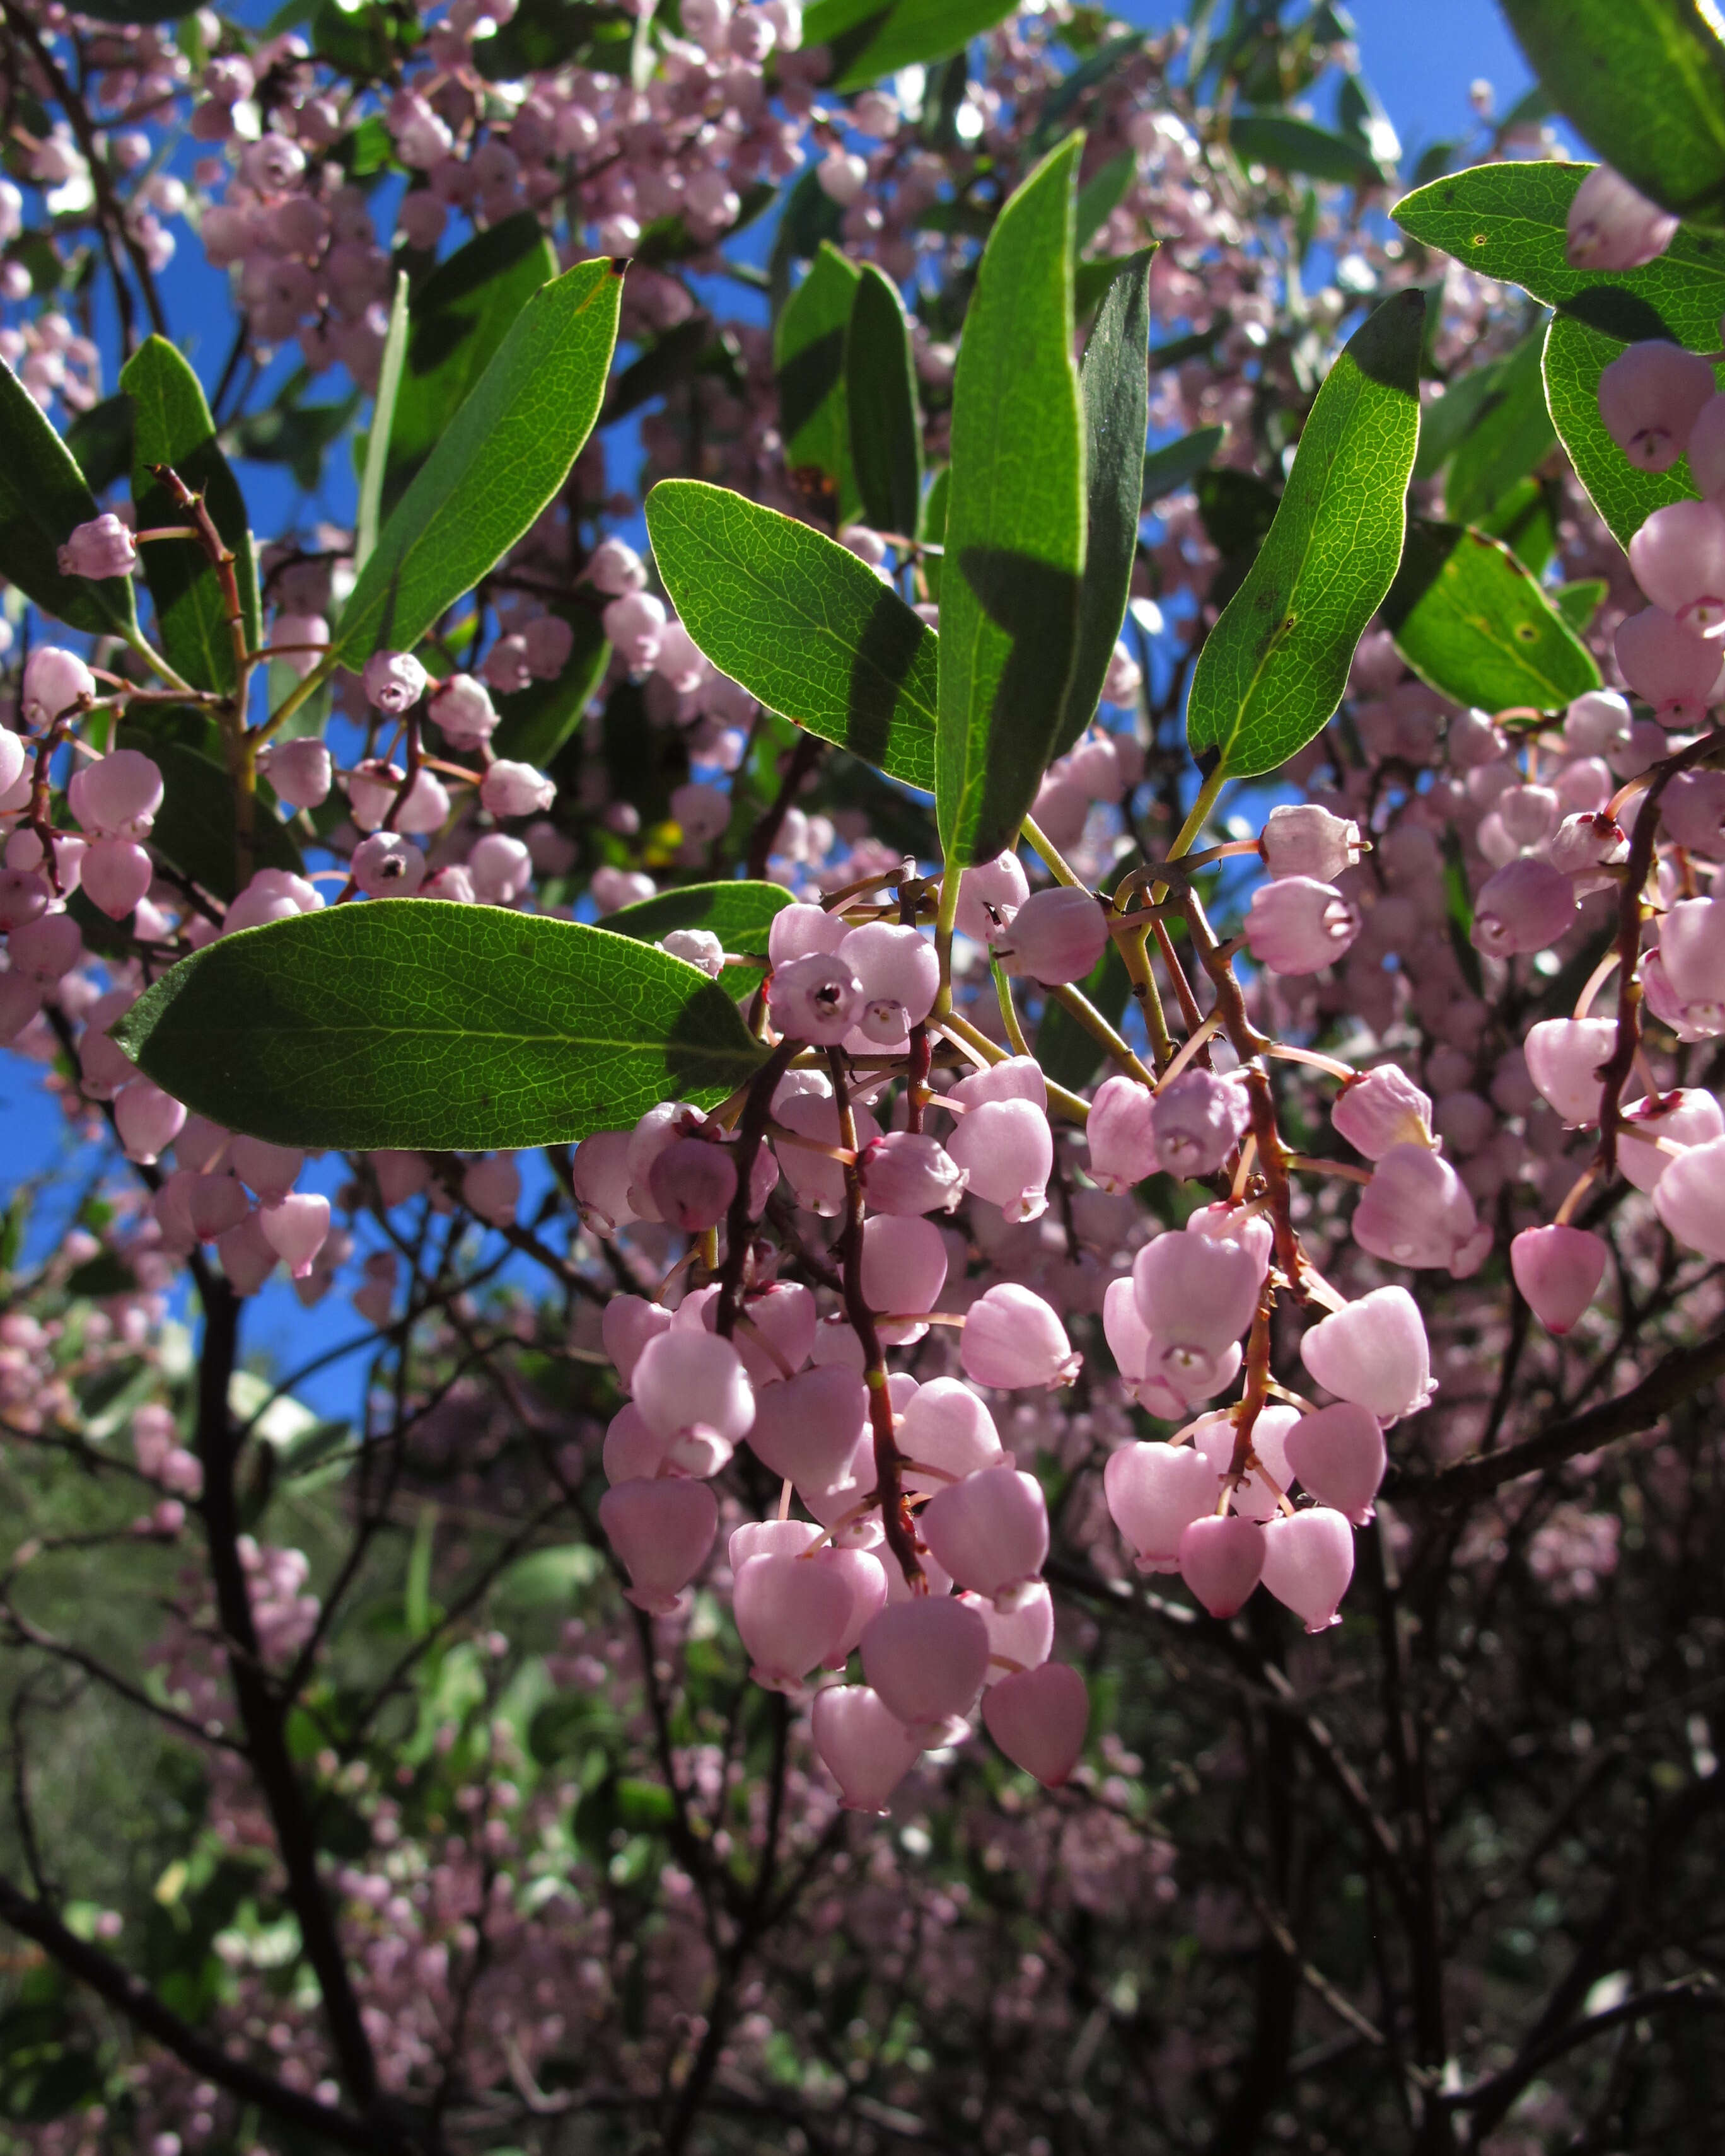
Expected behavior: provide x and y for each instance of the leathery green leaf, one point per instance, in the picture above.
(808, 356)
(874, 37)
(880, 393)
(1471, 621)
(1511, 433)
(43, 497)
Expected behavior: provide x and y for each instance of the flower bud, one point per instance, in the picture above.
(804, 932)
(1298, 925)
(515, 789)
(1691, 956)
(502, 870)
(387, 865)
(103, 547)
(1304, 839)
(1197, 1119)
(635, 625)
(1308, 1561)
(296, 1228)
(1651, 397)
(661, 1531)
(842, 176)
(807, 1427)
(1337, 1454)
(1667, 666)
(491, 1189)
(1039, 1718)
(791, 1613)
(1056, 935)
(464, 713)
(1564, 1056)
(1416, 1211)
(1381, 1109)
(300, 771)
(394, 681)
(1691, 1199)
(862, 1744)
(817, 1181)
(948, 1433)
(115, 876)
(23, 897)
(117, 796)
(989, 1531)
(615, 569)
(1012, 1338)
(148, 1119)
(1121, 1135)
(1612, 226)
(926, 1658)
(55, 681)
(692, 1183)
(1581, 844)
(1678, 557)
(900, 976)
(1006, 1149)
(600, 1178)
(1373, 1352)
(1526, 906)
(1154, 1493)
(1221, 1561)
(693, 1380)
(1193, 1292)
(814, 999)
(1559, 1270)
(906, 1172)
(293, 635)
(989, 896)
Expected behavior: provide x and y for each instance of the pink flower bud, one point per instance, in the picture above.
(1193, 1292)
(791, 1613)
(269, 1170)
(661, 1531)
(213, 1203)
(23, 897)
(926, 1658)
(865, 1578)
(906, 1172)
(387, 865)
(948, 1433)
(817, 1181)
(1014, 1078)
(1564, 1057)
(804, 932)
(1693, 810)
(1596, 722)
(693, 1380)
(491, 1189)
(899, 975)
(247, 1259)
(864, 1747)
(1197, 1119)
(1337, 1454)
(103, 547)
(296, 1228)
(1678, 556)
(148, 1119)
(701, 812)
(1381, 1109)
(515, 789)
(1611, 226)
(13, 757)
(1559, 1270)
(1297, 924)
(989, 1531)
(394, 681)
(1039, 1718)
(1056, 934)
(989, 896)
(1373, 1352)
(1154, 1493)
(117, 796)
(614, 568)
(20, 1000)
(1416, 1211)
(903, 1269)
(55, 681)
(1667, 665)
(806, 1428)
(501, 868)
(1221, 1561)
(1007, 1150)
(464, 713)
(1581, 843)
(115, 875)
(693, 1182)
(1308, 1561)
(627, 1324)
(1687, 1117)
(301, 771)
(842, 176)
(1305, 839)
(1013, 1339)
(600, 1178)
(1691, 956)
(272, 895)
(1121, 1135)
(1526, 906)
(814, 999)
(1691, 1199)
(635, 624)
(49, 948)
(293, 633)
(776, 1333)
(1650, 398)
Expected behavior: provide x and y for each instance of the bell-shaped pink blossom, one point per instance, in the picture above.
(24, 895)
(1194, 1292)
(1221, 1560)
(296, 1228)
(117, 796)
(1013, 1078)
(600, 1177)
(661, 1531)
(1303, 839)
(1651, 397)
(1692, 811)
(269, 1170)
(1297, 924)
(1006, 1149)
(387, 865)
(818, 1180)
(47, 949)
(103, 547)
(804, 932)
(213, 1203)
(463, 709)
(515, 789)
(1667, 665)
(1678, 556)
(1381, 1109)
(1707, 453)
(1023, 1635)
(865, 1578)
(1564, 1056)
(775, 1334)
(693, 1380)
(1039, 1718)
(692, 1183)
(631, 1453)
(1689, 1116)
(626, 1325)
(148, 1119)
(990, 1531)
(926, 1658)
(989, 896)
(1526, 906)
(394, 681)
(1197, 1119)
(55, 682)
(1691, 956)
(948, 1433)
(1559, 1270)
(903, 1269)
(907, 1172)
(1154, 1493)
(1417, 1211)
(1373, 1352)
(806, 1427)
(247, 1259)
(1308, 1561)
(1121, 1135)
(1258, 1493)
(1056, 934)
(1690, 1199)
(791, 1613)
(1013, 1339)
(900, 976)
(1336, 1453)
(865, 1748)
(1613, 226)
(491, 1189)
(1585, 843)
(815, 998)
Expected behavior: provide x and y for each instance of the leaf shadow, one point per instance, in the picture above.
(885, 653)
(807, 379)
(1036, 604)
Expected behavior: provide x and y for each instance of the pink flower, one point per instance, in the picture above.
(103, 547)
(1297, 924)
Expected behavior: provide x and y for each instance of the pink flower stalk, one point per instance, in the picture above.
(925, 1659)
(1013, 1339)
(1197, 1119)
(1039, 1717)
(1373, 1352)
(1298, 925)
(1337, 1453)
(1612, 226)
(1006, 1150)
(865, 1748)
(1559, 1270)
(1308, 1562)
(989, 1531)
(1222, 1560)
(1651, 397)
(662, 1531)
(1056, 935)
(103, 547)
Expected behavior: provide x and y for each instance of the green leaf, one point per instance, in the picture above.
(1236, 509)
(534, 723)
(688, 349)
(1114, 384)
(801, 622)
(808, 355)
(42, 495)
(194, 826)
(809, 216)
(1288, 145)
(1273, 669)
(1471, 622)
(1015, 522)
(171, 424)
(870, 39)
(1093, 280)
(1444, 422)
(378, 443)
(880, 391)
(1177, 463)
(740, 914)
(1103, 194)
(1508, 222)
(1070, 1054)
(1510, 433)
(1643, 81)
(932, 529)
(460, 315)
(410, 1023)
(101, 439)
(1624, 495)
(1579, 601)
(500, 460)
(1526, 521)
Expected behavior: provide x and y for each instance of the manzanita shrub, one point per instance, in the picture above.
(989, 959)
